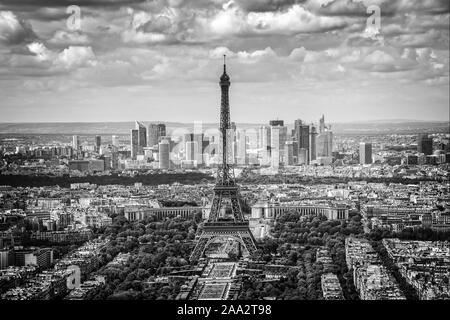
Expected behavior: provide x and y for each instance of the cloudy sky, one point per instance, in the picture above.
(160, 60)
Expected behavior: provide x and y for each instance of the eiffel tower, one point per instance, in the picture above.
(226, 193)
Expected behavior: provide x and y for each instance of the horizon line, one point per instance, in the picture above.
(215, 122)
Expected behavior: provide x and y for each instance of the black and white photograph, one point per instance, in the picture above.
(247, 151)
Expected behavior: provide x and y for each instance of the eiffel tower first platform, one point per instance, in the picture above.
(226, 193)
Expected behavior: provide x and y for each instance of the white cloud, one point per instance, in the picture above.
(69, 38)
(255, 56)
(379, 57)
(298, 54)
(296, 19)
(69, 58)
(218, 53)
(13, 31)
(77, 56)
(40, 51)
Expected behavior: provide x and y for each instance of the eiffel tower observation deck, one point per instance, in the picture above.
(226, 197)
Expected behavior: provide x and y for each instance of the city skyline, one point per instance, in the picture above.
(158, 59)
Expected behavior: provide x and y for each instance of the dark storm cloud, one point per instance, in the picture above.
(352, 8)
(65, 3)
(266, 5)
(54, 10)
(160, 24)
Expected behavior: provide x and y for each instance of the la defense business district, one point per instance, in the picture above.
(259, 214)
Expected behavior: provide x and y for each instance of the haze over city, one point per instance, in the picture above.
(160, 60)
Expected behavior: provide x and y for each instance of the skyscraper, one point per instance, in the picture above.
(198, 139)
(264, 144)
(76, 142)
(98, 143)
(324, 144)
(312, 143)
(276, 123)
(155, 132)
(152, 135)
(289, 159)
(424, 144)
(134, 143)
(191, 150)
(115, 141)
(241, 141)
(322, 124)
(278, 133)
(302, 156)
(252, 138)
(164, 154)
(142, 137)
(302, 136)
(365, 153)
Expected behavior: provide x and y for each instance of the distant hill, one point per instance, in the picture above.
(367, 127)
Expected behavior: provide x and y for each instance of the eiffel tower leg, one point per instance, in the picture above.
(248, 241)
(215, 207)
(236, 207)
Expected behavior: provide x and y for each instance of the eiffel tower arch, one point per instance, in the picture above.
(225, 192)
(218, 226)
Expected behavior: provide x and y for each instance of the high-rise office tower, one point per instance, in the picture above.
(312, 143)
(164, 154)
(324, 144)
(212, 151)
(289, 152)
(241, 149)
(198, 138)
(264, 144)
(161, 128)
(114, 160)
(134, 143)
(302, 156)
(365, 153)
(98, 143)
(252, 138)
(142, 137)
(155, 133)
(322, 124)
(302, 135)
(191, 150)
(76, 142)
(277, 122)
(115, 141)
(424, 144)
(295, 151)
(278, 133)
(275, 147)
(206, 149)
(264, 138)
(152, 135)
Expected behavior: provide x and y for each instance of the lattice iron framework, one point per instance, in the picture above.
(225, 190)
